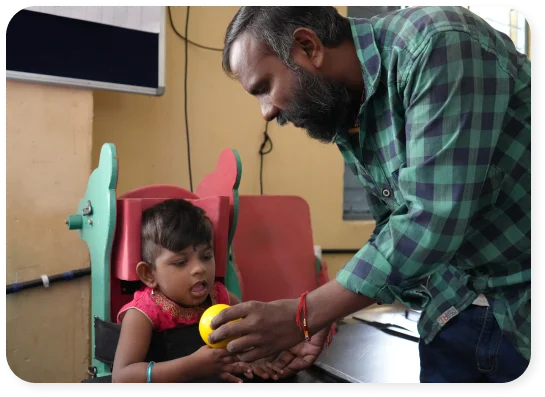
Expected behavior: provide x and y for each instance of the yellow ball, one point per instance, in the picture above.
(205, 329)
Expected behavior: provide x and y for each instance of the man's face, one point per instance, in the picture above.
(323, 108)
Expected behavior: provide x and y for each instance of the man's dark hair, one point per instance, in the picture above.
(173, 224)
(275, 26)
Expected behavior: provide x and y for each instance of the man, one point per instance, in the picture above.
(430, 108)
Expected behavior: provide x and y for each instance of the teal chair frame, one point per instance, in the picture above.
(95, 221)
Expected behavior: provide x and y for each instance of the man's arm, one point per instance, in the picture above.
(331, 302)
(347, 302)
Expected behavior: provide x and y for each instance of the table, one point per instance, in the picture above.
(366, 353)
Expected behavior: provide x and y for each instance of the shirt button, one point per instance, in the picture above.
(386, 193)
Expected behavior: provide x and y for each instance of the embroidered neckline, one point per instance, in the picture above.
(182, 313)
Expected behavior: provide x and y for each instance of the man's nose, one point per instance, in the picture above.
(268, 110)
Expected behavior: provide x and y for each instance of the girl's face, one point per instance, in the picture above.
(186, 277)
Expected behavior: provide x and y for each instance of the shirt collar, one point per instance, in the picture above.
(369, 57)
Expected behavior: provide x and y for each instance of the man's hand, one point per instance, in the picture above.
(299, 357)
(266, 328)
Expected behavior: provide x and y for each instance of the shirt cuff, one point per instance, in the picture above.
(369, 273)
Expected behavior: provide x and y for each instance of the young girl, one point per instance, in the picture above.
(178, 271)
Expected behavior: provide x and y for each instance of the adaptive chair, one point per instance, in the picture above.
(111, 228)
(275, 247)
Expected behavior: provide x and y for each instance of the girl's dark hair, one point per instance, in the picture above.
(173, 224)
(275, 26)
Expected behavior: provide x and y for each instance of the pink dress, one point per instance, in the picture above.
(165, 314)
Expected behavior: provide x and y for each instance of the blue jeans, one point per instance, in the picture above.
(469, 349)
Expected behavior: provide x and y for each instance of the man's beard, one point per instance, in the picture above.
(323, 108)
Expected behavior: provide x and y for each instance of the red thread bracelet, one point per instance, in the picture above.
(302, 308)
(332, 331)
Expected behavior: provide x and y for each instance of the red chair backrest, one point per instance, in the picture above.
(273, 248)
(127, 244)
(127, 248)
(215, 194)
(224, 181)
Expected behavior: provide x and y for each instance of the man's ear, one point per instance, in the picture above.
(146, 273)
(307, 48)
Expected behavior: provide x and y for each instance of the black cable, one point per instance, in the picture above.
(70, 275)
(186, 41)
(185, 102)
(185, 38)
(266, 138)
(262, 153)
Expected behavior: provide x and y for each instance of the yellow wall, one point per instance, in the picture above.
(48, 146)
(150, 133)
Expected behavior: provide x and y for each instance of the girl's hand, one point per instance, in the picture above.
(236, 368)
(263, 368)
(208, 362)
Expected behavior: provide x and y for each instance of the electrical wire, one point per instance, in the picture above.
(266, 137)
(263, 152)
(46, 281)
(185, 38)
(187, 42)
(185, 102)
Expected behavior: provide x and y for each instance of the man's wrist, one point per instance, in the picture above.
(293, 304)
(331, 302)
(290, 306)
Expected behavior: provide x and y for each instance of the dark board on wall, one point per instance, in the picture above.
(60, 49)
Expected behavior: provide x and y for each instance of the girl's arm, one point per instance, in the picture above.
(134, 342)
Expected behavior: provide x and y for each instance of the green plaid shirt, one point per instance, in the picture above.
(443, 151)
